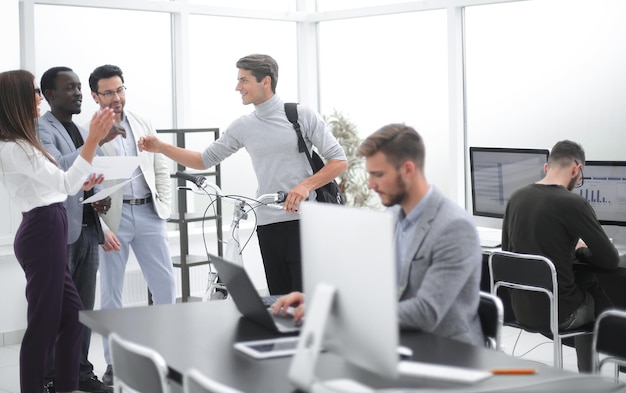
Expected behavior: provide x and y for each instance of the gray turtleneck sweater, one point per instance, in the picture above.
(272, 143)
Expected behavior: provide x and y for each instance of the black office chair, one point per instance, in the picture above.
(137, 368)
(196, 382)
(609, 338)
(491, 314)
(533, 273)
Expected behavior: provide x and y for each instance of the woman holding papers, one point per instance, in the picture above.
(38, 187)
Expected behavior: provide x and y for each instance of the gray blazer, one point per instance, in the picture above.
(440, 279)
(57, 141)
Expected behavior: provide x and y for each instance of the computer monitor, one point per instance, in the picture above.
(605, 188)
(348, 269)
(497, 172)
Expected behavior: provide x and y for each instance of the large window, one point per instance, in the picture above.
(390, 69)
(542, 71)
(85, 38)
(215, 45)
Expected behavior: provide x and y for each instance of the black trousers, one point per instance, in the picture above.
(280, 249)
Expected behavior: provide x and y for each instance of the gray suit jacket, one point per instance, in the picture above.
(155, 172)
(58, 142)
(440, 278)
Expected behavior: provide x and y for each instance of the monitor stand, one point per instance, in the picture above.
(302, 370)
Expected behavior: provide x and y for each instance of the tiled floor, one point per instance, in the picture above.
(542, 352)
(9, 364)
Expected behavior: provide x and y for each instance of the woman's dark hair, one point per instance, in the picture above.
(18, 109)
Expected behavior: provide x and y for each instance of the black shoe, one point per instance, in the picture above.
(93, 385)
(107, 377)
(49, 388)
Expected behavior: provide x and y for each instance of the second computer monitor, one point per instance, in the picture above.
(604, 187)
(497, 172)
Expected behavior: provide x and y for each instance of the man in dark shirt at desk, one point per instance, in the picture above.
(547, 219)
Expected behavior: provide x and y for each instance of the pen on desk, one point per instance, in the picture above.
(513, 371)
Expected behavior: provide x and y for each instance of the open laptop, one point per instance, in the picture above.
(247, 299)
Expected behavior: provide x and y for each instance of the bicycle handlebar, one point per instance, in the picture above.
(201, 183)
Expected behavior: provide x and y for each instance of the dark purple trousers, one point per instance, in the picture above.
(53, 302)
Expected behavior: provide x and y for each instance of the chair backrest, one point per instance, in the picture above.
(527, 272)
(491, 314)
(196, 382)
(609, 338)
(137, 367)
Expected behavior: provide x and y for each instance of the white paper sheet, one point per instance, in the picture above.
(115, 167)
(105, 192)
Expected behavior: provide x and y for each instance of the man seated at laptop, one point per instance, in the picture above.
(547, 219)
(438, 255)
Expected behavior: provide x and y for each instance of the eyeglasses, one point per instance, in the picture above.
(110, 93)
(582, 177)
(38, 91)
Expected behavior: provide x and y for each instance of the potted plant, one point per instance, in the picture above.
(353, 182)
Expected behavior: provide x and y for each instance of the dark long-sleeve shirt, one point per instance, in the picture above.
(548, 220)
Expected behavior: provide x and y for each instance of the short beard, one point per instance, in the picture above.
(399, 196)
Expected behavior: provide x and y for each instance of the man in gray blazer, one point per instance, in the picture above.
(138, 211)
(64, 139)
(438, 254)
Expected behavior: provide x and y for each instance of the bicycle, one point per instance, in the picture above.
(243, 206)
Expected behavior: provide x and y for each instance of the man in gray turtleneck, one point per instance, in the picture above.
(272, 143)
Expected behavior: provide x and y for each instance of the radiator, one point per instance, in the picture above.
(135, 292)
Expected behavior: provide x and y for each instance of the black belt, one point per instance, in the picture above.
(138, 201)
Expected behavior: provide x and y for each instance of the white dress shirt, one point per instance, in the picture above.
(31, 180)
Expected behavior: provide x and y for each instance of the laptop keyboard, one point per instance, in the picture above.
(271, 299)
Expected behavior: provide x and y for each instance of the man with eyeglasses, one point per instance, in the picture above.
(64, 140)
(138, 211)
(547, 219)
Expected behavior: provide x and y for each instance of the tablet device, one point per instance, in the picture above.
(270, 348)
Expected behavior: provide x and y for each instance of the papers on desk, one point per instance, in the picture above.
(441, 372)
(115, 167)
(489, 237)
(105, 192)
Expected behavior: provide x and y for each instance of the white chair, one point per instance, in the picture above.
(533, 273)
(137, 368)
(196, 382)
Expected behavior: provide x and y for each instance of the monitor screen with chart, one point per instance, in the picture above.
(497, 172)
(605, 188)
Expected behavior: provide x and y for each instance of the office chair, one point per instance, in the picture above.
(491, 314)
(609, 340)
(196, 382)
(137, 368)
(533, 273)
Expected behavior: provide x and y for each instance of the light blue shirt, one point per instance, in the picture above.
(136, 188)
(405, 230)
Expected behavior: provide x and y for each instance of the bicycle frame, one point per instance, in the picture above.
(233, 251)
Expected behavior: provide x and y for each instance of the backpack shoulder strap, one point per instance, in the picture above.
(291, 110)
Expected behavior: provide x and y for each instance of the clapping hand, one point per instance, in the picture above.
(114, 131)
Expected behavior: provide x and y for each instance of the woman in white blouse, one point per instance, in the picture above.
(38, 188)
